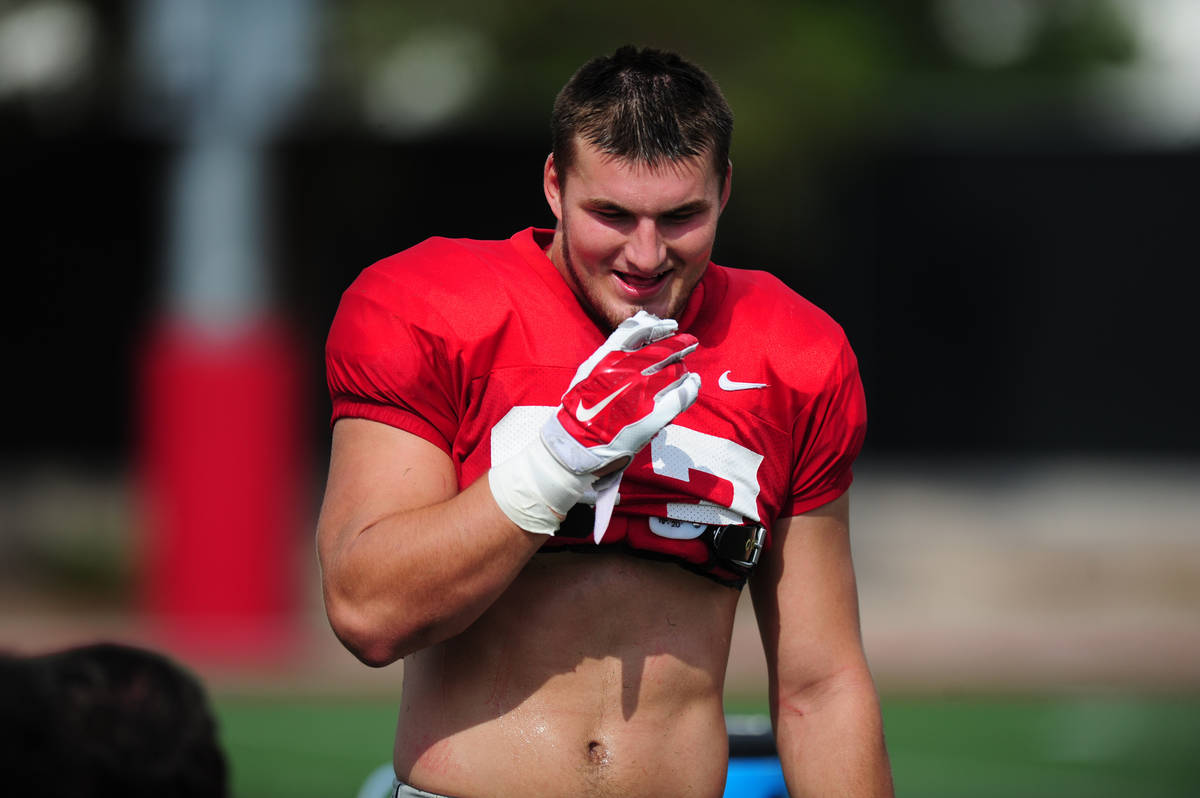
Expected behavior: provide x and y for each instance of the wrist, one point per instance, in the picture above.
(534, 490)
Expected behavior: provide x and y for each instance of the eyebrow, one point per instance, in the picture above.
(695, 206)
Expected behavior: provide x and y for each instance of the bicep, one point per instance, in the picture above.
(806, 600)
(376, 470)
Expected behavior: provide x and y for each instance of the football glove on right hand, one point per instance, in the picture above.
(621, 396)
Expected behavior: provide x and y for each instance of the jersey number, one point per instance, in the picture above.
(674, 452)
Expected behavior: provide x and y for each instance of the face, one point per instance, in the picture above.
(631, 237)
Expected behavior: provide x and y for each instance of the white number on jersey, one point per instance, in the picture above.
(673, 452)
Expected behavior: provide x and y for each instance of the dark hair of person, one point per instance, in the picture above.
(32, 743)
(126, 722)
(646, 105)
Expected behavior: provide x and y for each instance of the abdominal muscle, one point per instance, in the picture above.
(594, 674)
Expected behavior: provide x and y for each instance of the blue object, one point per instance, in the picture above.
(755, 777)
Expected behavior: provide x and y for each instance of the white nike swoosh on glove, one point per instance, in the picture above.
(732, 385)
(586, 414)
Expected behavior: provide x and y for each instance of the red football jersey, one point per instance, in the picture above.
(471, 344)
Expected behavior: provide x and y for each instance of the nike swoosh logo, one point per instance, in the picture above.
(586, 414)
(732, 385)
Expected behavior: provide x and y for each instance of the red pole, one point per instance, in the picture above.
(222, 467)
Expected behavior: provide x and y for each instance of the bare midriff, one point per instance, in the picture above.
(593, 675)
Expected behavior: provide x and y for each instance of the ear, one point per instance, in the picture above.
(552, 186)
(728, 185)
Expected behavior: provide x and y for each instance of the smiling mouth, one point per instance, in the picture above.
(640, 283)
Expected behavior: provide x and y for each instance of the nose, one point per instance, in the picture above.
(645, 249)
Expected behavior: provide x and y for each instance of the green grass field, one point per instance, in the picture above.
(1085, 746)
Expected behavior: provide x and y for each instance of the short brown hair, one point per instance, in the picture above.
(642, 105)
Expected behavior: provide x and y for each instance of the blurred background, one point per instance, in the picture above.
(991, 196)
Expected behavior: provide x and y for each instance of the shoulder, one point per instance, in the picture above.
(444, 284)
(438, 268)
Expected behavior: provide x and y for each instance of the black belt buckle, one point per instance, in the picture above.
(740, 544)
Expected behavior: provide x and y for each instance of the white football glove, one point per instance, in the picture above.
(621, 396)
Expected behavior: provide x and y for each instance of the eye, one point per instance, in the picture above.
(679, 217)
(610, 214)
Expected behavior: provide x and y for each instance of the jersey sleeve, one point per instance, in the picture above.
(828, 435)
(391, 367)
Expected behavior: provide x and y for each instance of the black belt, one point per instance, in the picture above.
(739, 545)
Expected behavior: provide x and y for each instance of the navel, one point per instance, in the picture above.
(597, 753)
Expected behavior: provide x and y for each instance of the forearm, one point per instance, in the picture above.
(408, 561)
(416, 577)
(830, 739)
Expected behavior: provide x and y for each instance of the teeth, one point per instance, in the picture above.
(639, 280)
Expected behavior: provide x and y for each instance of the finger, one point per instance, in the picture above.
(664, 329)
(676, 397)
(675, 357)
(657, 356)
(641, 329)
(630, 336)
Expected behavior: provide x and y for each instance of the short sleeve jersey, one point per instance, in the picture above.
(471, 345)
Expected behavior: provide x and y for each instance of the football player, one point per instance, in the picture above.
(558, 458)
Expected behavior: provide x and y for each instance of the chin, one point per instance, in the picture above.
(666, 308)
(616, 313)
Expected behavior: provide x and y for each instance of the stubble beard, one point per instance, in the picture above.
(593, 304)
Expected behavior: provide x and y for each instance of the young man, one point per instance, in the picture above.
(557, 458)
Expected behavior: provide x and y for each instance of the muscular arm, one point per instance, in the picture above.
(406, 559)
(823, 700)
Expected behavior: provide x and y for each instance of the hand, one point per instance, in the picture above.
(629, 389)
(621, 396)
